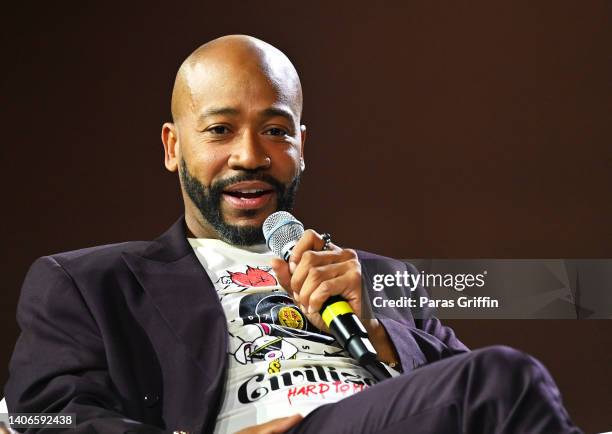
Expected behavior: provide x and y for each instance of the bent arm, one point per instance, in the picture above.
(415, 337)
(59, 363)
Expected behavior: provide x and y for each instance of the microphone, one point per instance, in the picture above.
(282, 231)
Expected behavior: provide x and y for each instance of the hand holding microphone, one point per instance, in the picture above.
(325, 283)
(314, 275)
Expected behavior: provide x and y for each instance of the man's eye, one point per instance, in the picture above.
(218, 129)
(276, 132)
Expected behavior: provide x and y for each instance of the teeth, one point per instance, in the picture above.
(249, 191)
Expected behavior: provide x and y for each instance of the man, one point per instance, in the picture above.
(204, 330)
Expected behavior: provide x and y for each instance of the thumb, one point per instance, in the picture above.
(281, 269)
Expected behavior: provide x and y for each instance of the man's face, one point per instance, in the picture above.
(239, 150)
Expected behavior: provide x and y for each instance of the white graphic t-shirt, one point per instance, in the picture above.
(279, 363)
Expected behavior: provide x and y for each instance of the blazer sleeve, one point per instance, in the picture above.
(418, 336)
(59, 364)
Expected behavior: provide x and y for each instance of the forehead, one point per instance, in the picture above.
(242, 86)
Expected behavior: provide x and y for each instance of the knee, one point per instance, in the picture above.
(508, 363)
(504, 355)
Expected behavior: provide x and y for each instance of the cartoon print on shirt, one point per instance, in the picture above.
(258, 342)
(274, 308)
(271, 327)
(252, 277)
(262, 347)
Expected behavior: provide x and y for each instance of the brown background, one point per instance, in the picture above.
(436, 130)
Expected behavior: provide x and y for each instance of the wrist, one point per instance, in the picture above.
(382, 343)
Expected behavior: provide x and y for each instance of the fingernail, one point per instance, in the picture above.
(292, 267)
(311, 310)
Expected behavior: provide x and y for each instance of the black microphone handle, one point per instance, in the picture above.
(353, 337)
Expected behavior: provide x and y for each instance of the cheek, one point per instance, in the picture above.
(208, 165)
(288, 161)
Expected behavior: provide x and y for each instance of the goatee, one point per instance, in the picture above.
(208, 201)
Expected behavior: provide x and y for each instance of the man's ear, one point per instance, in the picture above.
(303, 140)
(169, 136)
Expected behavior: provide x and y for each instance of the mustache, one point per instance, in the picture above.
(218, 187)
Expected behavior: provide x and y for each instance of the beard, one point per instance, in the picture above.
(208, 202)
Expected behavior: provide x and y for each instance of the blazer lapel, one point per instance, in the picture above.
(184, 296)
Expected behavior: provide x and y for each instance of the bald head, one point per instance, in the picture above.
(230, 61)
(236, 106)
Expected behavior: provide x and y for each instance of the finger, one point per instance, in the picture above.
(313, 277)
(310, 240)
(312, 259)
(280, 425)
(319, 276)
(346, 285)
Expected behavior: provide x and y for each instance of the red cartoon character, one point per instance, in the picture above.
(253, 277)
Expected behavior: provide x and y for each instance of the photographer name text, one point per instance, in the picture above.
(421, 302)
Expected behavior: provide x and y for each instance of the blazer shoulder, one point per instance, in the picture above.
(363, 255)
(371, 258)
(97, 258)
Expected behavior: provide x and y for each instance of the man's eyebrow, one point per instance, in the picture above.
(276, 111)
(217, 111)
(267, 113)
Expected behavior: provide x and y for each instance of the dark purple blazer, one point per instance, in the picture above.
(132, 338)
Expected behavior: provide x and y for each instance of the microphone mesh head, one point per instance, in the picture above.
(281, 230)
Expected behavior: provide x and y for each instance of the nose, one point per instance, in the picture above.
(249, 154)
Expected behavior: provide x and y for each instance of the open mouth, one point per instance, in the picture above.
(249, 195)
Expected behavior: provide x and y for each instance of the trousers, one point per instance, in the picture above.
(493, 390)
